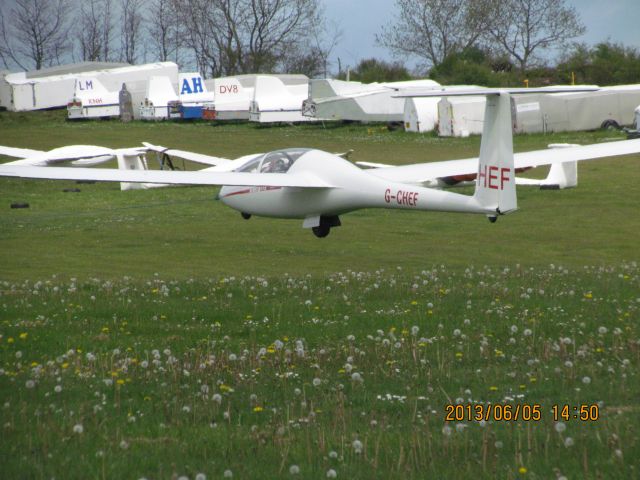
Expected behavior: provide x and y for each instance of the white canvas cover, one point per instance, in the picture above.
(420, 114)
(28, 91)
(92, 100)
(232, 99)
(275, 102)
(373, 102)
(160, 92)
(460, 116)
(192, 89)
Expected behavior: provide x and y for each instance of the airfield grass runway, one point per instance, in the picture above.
(155, 334)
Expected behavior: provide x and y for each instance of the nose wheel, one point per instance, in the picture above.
(246, 216)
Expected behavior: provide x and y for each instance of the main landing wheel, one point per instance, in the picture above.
(321, 231)
(246, 216)
(326, 223)
(493, 219)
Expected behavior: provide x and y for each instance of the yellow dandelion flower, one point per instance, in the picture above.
(493, 388)
(533, 380)
(258, 409)
(10, 340)
(120, 381)
(588, 295)
(459, 354)
(522, 470)
(34, 364)
(522, 386)
(341, 370)
(65, 365)
(23, 336)
(414, 302)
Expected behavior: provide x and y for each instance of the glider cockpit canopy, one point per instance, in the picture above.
(278, 161)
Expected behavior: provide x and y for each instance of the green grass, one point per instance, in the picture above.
(184, 232)
(181, 339)
(255, 375)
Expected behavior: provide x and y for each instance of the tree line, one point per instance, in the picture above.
(484, 42)
(219, 37)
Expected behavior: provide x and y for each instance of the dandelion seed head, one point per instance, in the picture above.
(29, 384)
(568, 442)
(294, 469)
(357, 446)
(331, 473)
(78, 428)
(201, 476)
(586, 380)
(333, 454)
(560, 427)
(317, 382)
(227, 474)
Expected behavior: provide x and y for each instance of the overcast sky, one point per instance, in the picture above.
(360, 20)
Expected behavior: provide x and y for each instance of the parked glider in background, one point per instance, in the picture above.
(318, 186)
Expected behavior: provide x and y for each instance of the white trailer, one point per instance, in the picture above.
(421, 114)
(460, 116)
(54, 88)
(193, 95)
(355, 101)
(161, 100)
(607, 107)
(273, 101)
(232, 99)
(92, 100)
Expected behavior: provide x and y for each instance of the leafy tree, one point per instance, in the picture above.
(474, 66)
(374, 70)
(524, 28)
(434, 29)
(606, 63)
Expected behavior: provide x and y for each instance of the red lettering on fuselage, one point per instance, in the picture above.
(402, 197)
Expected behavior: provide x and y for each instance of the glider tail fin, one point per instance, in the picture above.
(131, 162)
(496, 182)
(561, 175)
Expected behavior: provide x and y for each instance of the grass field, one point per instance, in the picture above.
(155, 334)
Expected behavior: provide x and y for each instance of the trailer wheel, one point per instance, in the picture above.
(610, 124)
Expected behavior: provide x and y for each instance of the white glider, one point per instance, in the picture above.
(319, 186)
